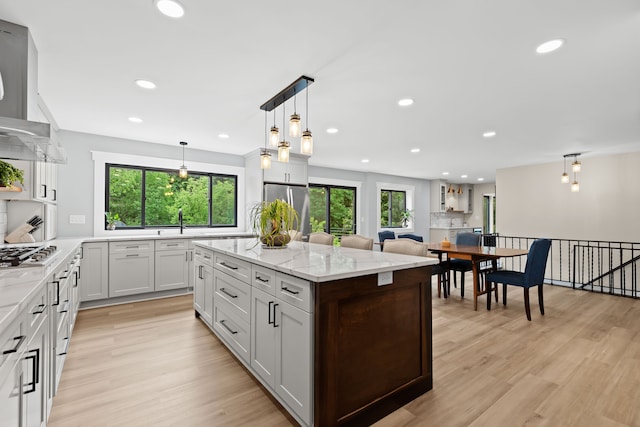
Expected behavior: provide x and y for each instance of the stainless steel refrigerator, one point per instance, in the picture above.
(295, 195)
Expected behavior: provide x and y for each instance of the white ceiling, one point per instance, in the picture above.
(470, 65)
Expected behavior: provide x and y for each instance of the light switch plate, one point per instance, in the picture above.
(77, 219)
(385, 278)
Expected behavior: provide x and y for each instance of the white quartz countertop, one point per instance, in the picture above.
(315, 262)
(169, 234)
(452, 228)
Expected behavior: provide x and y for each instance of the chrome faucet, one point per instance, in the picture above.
(180, 219)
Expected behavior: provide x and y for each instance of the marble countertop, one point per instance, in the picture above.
(169, 234)
(315, 262)
(453, 228)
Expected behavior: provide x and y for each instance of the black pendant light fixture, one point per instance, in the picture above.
(182, 173)
(576, 167)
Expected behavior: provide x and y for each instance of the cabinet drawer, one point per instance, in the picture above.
(235, 292)
(232, 330)
(263, 279)
(239, 269)
(172, 244)
(295, 291)
(204, 256)
(13, 340)
(36, 311)
(131, 246)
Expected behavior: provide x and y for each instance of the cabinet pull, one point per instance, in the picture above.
(55, 195)
(17, 346)
(228, 328)
(132, 247)
(44, 192)
(79, 271)
(260, 279)
(228, 266)
(200, 272)
(274, 315)
(285, 289)
(57, 283)
(172, 244)
(131, 255)
(207, 256)
(35, 364)
(81, 252)
(66, 307)
(186, 256)
(75, 274)
(224, 291)
(41, 309)
(271, 322)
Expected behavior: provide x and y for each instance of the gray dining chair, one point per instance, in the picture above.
(321, 237)
(356, 241)
(463, 265)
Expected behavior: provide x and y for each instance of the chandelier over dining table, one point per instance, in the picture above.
(276, 138)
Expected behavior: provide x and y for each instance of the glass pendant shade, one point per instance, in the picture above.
(294, 126)
(283, 151)
(576, 166)
(575, 187)
(565, 178)
(274, 137)
(182, 173)
(265, 160)
(306, 143)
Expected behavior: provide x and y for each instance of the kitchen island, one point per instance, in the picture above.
(338, 336)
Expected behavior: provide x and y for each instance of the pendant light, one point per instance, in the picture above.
(576, 166)
(183, 169)
(294, 121)
(565, 176)
(306, 144)
(265, 155)
(274, 135)
(283, 146)
(460, 189)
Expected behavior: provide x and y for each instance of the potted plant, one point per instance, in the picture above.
(271, 221)
(10, 174)
(111, 220)
(405, 216)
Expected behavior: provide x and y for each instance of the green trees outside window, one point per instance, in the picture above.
(149, 198)
(392, 205)
(333, 209)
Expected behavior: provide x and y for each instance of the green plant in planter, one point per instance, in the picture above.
(271, 221)
(10, 174)
(111, 220)
(405, 216)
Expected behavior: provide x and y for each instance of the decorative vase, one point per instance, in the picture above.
(111, 226)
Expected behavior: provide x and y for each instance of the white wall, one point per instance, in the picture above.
(532, 202)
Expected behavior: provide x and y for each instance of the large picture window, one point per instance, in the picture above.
(333, 209)
(151, 198)
(392, 204)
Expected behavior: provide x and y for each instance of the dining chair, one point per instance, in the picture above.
(356, 241)
(295, 235)
(463, 265)
(412, 247)
(385, 235)
(321, 237)
(411, 236)
(533, 276)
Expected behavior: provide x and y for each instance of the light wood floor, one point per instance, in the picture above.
(154, 364)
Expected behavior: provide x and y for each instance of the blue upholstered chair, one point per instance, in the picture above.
(463, 265)
(533, 276)
(384, 235)
(411, 236)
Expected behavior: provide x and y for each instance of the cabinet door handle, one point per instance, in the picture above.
(260, 279)
(55, 195)
(222, 322)
(285, 289)
(57, 283)
(228, 266)
(35, 364)
(44, 192)
(79, 271)
(224, 291)
(41, 308)
(131, 255)
(274, 315)
(172, 244)
(81, 252)
(17, 346)
(200, 272)
(269, 319)
(75, 273)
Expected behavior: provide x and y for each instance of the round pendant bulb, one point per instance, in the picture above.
(294, 126)
(575, 187)
(565, 178)
(307, 143)
(576, 166)
(283, 152)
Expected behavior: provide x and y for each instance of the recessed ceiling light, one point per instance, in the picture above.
(445, 173)
(332, 130)
(463, 176)
(415, 150)
(480, 179)
(170, 8)
(145, 84)
(135, 119)
(405, 102)
(223, 135)
(489, 134)
(550, 46)
(365, 160)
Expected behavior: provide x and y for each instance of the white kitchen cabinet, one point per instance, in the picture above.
(438, 198)
(45, 182)
(292, 172)
(190, 266)
(171, 264)
(12, 348)
(94, 271)
(35, 364)
(131, 267)
(203, 285)
(263, 336)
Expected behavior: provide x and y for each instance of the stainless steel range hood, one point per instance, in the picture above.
(26, 130)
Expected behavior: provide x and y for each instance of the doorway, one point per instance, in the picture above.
(489, 213)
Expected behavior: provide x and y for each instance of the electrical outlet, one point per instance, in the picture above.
(77, 219)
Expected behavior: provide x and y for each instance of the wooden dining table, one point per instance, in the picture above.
(476, 254)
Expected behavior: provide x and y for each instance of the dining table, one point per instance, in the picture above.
(475, 254)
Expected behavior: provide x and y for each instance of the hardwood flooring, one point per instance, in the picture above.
(155, 364)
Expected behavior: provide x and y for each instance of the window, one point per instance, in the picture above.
(335, 203)
(150, 198)
(392, 204)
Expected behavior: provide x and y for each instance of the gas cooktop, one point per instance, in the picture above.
(26, 256)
